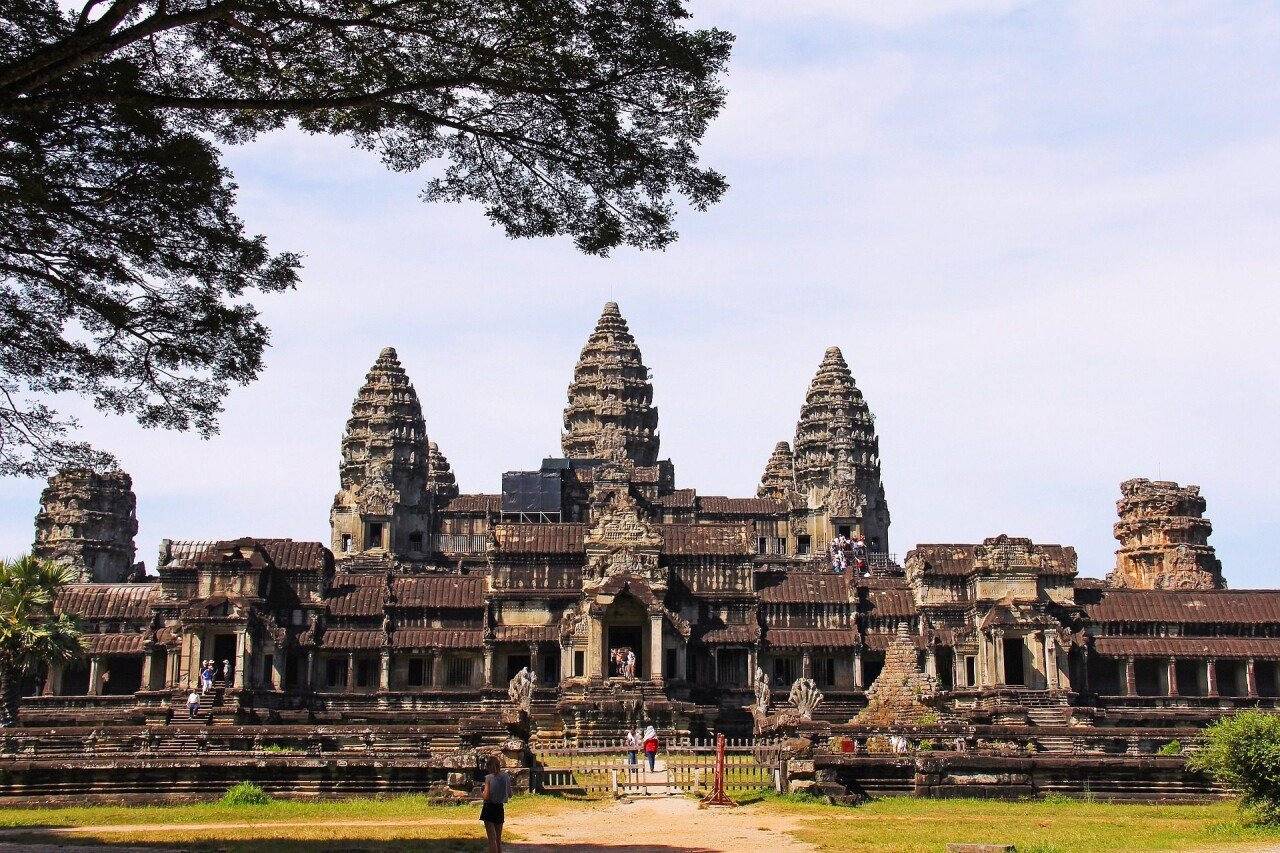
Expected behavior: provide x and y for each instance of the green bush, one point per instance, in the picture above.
(245, 794)
(1243, 751)
(927, 744)
(1173, 747)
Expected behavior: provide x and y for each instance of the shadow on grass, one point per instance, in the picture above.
(26, 842)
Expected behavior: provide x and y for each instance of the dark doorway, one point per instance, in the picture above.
(628, 637)
(1146, 676)
(871, 666)
(1014, 673)
(515, 663)
(75, 679)
(944, 662)
(124, 675)
(224, 648)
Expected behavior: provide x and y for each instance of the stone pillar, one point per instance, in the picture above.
(806, 664)
(241, 660)
(53, 680)
(1211, 676)
(857, 669)
(751, 665)
(715, 666)
(1130, 681)
(437, 670)
(384, 673)
(931, 662)
(310, 682)
(595, 648)
(1172, 677)
(535, 658)
(95, 675)
(351, 672)
(655, 648)
(1251, 677)
(997, 640)
(488, 664)
(278, 663)
(1052, 672)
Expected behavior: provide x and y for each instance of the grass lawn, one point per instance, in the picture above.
(1054, 825)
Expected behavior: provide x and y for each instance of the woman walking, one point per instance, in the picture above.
(633, 746)
(650, 746)
(497, 790)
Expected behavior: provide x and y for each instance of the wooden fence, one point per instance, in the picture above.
(602, 767)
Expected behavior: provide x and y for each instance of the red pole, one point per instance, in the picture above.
(718, 796)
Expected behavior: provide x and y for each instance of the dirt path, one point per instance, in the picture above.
(659, 825)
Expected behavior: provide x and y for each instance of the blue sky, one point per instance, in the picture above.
(1044, 235)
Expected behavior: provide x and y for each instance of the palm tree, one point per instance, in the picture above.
(31, 634)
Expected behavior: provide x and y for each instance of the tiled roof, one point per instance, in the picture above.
(115, 644)
(1189, 647)
(437, 638)
(106, 601)
(352, 639)
(527, 633)
(705, 539)
(717, 505)
(458, 591)
(559, 538)
(731, 634)
(475, 503)
(678, 499)
(798, 587)
(358, 595)
(890, 601)
(880, 641)
(818, 638)
(286, 554)
(1238, 607)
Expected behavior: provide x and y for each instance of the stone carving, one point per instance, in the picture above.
(1164, 538)
(760, 683)
(88, 520)
(520, 689)
(611, 413)
(901, 691)
(806, 697)
(440, 479)
(779, 480)
(621, 539)
(384, 470)
(836, 445)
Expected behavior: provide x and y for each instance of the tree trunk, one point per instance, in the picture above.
(9, 687)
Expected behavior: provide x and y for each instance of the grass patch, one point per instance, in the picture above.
(245, 794)
(1058, 825)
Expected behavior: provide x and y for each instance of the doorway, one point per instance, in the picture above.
(1014, 671)
(629, 638)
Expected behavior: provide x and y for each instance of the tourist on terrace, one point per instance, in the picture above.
(496, 792)
(858, 551)
(631, 664)
(632, 742)
(193, 704)
(206, 677)
(226, 672)
(650, 746)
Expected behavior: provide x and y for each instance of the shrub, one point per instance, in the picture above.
(245, 794)
(1173, 747)
(927, 743)
(1243, 751)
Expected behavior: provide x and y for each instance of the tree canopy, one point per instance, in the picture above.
(125, 273)
(31, 634)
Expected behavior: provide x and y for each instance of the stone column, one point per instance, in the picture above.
(806, 664)
(242, 660)
(53, 680)
(1052, 672)
(311, 670)
(95, 675)
(384, 673)
(655, 648)
(351, 672)
(931, 662)
(751, 665)
(997, 640)
(595, 647)
(857, 669)
(488, 664)
(437, 670)
(1130, 680)
(1211, 676)
(535, 658)
(1251, 677)
(1172, 677)
(566, 662)
(715, 666)
(278, 663)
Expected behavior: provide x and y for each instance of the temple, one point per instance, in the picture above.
(630, 596)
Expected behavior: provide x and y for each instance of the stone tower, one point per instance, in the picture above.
(382, 508)
(440, 479)
(1164, 538)
(88, 520)
(611, 413)
(837, 458)
(779, 480)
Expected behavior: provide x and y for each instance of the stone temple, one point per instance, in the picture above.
(426, 600)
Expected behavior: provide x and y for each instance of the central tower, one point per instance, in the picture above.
(611, 413)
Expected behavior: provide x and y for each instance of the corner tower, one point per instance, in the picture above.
(383, 508)
(87, 520)
(837, 459)
(611, 413)
(1164, 538)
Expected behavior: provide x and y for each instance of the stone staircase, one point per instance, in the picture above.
(1052, 716)
(210, 702)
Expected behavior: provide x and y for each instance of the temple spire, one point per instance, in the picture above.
(779, 480)
(440, 479)
(610, 414)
